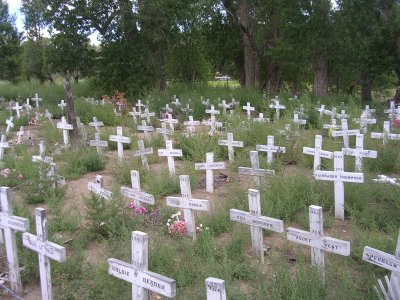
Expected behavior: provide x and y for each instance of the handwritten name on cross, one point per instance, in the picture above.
(215, 289)
(270, 148)
(98, 188)
(339, 177)
(98, 143)
(17, 108)
(142, 152)
(96, 124)
(9, 225)
(3, 144)
(256, 221)
(120, 139)
(317, 152)
(230, 143)
(37, 100)
(248, 108)
(137, 272)
(134, 193)
(359, 152)
(65, 127)
(46, 250)
(345, 133)
(190, 125)
(188, 204)
(146, 129)
(170, 153)
(10, 124)
(255, 170)
(210, 166)
(316, 240)
(386, 134)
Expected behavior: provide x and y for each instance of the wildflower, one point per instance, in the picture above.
(396, 123)
(131, 205)
(20, 177)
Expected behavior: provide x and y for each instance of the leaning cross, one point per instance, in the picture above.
(120, 139)
(98, 143)
(230, 143)
(248, 108)
(65, 127)
(210, 166)
(3, 144)
(170, 154)
(17, 108)
(255, 170)
(46, 251)
(317, 152)
(142, 152)
(188, 204)
(42, 158)
(134, 193)
(146, 129)
(256, 221)
(359, 152)
(270, 148)
(134, 113)
(98, 188)
(10, 124)
(96, 124)
(345, 133)
(37, 99)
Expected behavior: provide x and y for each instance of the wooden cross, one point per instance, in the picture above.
(186, 110)
(46, 250)
(134, 113)
(49, 116)
(188, 204)
(270, 148)
(386, 179)
(255, 170)
(116, 113)
(248, 108)
(120, 139)
(139, 105)
(164, 131)
(205, 102)
(317, 152)
(212, 122)
(65, 127)
(137, 272)
(332, 113)
(142, 152)
(62, 104)
(339, 177)
(298, 121)
(171, 122)
(215, 289)
(98, 143)
(392, 111)
(147, 115)
(98, 188)
(42, 158)
(54, 177)
(37, 100)
(316, 240)
(17, 108)
(27, 106)
(96, 124)
(345, 133)
(343, 115)
(277, 107)
(3, 144)
(321, 110)
(359, 152)
(257, 222)
(134, 193)
(167, 109)
(20, 133)
(9, 225)
(191, 125)
(224, 106)
(210, 166)
(146, 129)
(176, 101)
(364, 121)
(332, 126)
(287, 132)
(212, 111)
(385, 135)
(261, 118)
(10, 124)
(170, 153)
(230, 143)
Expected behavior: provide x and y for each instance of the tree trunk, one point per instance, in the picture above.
(366, 89)
(240, 70)
(320, 87)
(273, 78)
(73, 134)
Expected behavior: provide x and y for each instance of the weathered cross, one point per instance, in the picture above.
(298, 121)
(212, 111)
(385, 135)
(137, 272)
(146, 129)
(167, 109)
(142, 152)
(42, 158)
(10, 124)
(134, 113)
(332, 126)
(215, 289)
(170, 121)
(17, 108)
(277, 107)
(170, 153)
(256, 221)
(3, 144)
(96, 124)
(270, 148)
(210, 166)
(224, 106)
(255, 170)
(120, 139)
(321, 110)
(186, 110)
(98, 188)
(37, 100)
(139, 105)
(98, 143)
(248, 108)
(359, 152)
(230, 143)
(205, 102)
(317, 152)
(364, 121)
(386, 179)
(164, 131)
(176, 101)
(49, 116)
(191, 125)
(212, 122)
(343, 115)
(188, 204)
(27, 106)
(116, 113)
(339, 177)
(20, 133)
(261, 118)
(134, 193)
(65, 127)
(46, 250)
(345, 133)
(147, 115)
(392, 111)
(54, 177)
(62, 104)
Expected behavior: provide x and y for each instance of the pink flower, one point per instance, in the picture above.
(396, 123)
(20, 177)
(131, 205)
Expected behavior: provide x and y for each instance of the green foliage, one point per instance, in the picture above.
(81, 161)
(162, 184)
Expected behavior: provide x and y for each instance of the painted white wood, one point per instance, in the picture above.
(54, 177)
(9, 225)
(176, 101)
(230, 143)
(248, 108)
(270, 148)
(332, 126)
(224, 106)
(188, 204)
(146, 129)
(142, 152)
(164, 131)
(386, 134)
(147, 115)
(170, 153)
(10, 124)
(339, 176)
(27, 106)
(317, 152)
(210, 166)
(256, 221)
(137, 272)
(215, 289)
(65, 127)
(365, 119)
(42, 158)
(167, 109)
(98, 143)
(46, 250)
(321, 110)
(187, 110)
(134, 193)
(386, 179)
(98, 188)
(20, 133)
(61, 105)
(298, 121)
(190, 125)
(212, 111)
(171, 121)
(392, 111)
(345, 133)
(3, 145)
(261, 118)
(359, 152)
(49, 116)
(120, 139)
(96, 124)
(278, 107)
(134, 113)
(213, 123)
(255, 170)
(37, 100)
(139, 105)
(17, 109)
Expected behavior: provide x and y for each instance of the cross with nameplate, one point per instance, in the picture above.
(339, 177)
(255, 170)
(96, 124)
(147, 114)
(212, 122)
(65, 127)
(392, 111)
(120, 139)
(10, 124)
(270, 148)
(332, 126)
(321, 110)
(316, 240)
(98, 188)
(37, 100)
(46, 250)
(215, 289)
(385, 135)
(9, 225)
(171, 121)
(256, 221)
(190, 125)
(261, 118)
(317, 152)
(277, 108)
(137, 272)
(176, 101)
(345, 133)
(224, 106)
(146, 129)
(230, 143)
(134, 193)
(42, 158)
(186, 110)
(62, 104)
(170, 153)
(142, 152)
(167, 109)
(188, 204)
(248, 108)
(20, 133)
(386, 179)
(17, 108)
(210, 166)
(27, 106)
(98, 143)
(164, 131)
(3, 144)
(359, 152)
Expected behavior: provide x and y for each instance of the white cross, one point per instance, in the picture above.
(224, 106)
(364, 120)
(188, 204)
(270, 148)
(255, 170)
(10, 106)
(142, 152)
(321, 110)
(257, 222)
(231, 144)
(277, 107)
(261, 118)
(62, 104)
(392, 111)
(386, 135)
(98, 188)
(20, 133)
(359, 152)
(210, 166)
(170, 153)
(332, 113)
(42, 158)
(167, 109)
(37, 99)
(317, 152)
(190, 125)
(54, 177)
(28, 107)
(248, 108)
(332, 126)
(298, 121)
(171, 122)
(205, 102)
(215, 289)
(120, 139)
(139, 105)
(164, 131)
(212, 111)
(146, 129)
(49, 116)
(316, 240)
(287, 132)
(147, 115)
(98, 143)
(17, 108)
(117, 114)
(343, 115)
(134, 113)
(96, 124)
(386, 179)
(9, 225)
(212, 122)
(186, 110)
(339, 177)
(10, 124)
(134, 193)
(176, 101)
(137, 272)
(65, 127)
(345, 133)
(3, 144)
(46, 250)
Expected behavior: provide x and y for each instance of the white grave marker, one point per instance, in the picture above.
(345, 133)
(255, 170)
(215, 289)
(134, 193)
(164, 131)
(317, 152)
(20, 133)
(171, 122)
(212, 111)
(17, 108)
(147, 115)
(386, 179)
(385, 135)
(27, 106)
(248, 108)
(261, 118)
(270, 148)
(230, 143)
(359, 152)
(170, 153)
(61, 105)
(139, 105)
(224, 106)
(142, 152)
(98, 188)
(98, 143)
(10, 124)
(49, 116)
(37, 100)
(277, 108)
(120, 139)
(190, 125)
(42, 158)
(65, 127)
(146, 129)
(134, 113)
(3, 144)
(96, 124)
(210, 166)
(54, 177)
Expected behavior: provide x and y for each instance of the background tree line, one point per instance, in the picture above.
(266, 44)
